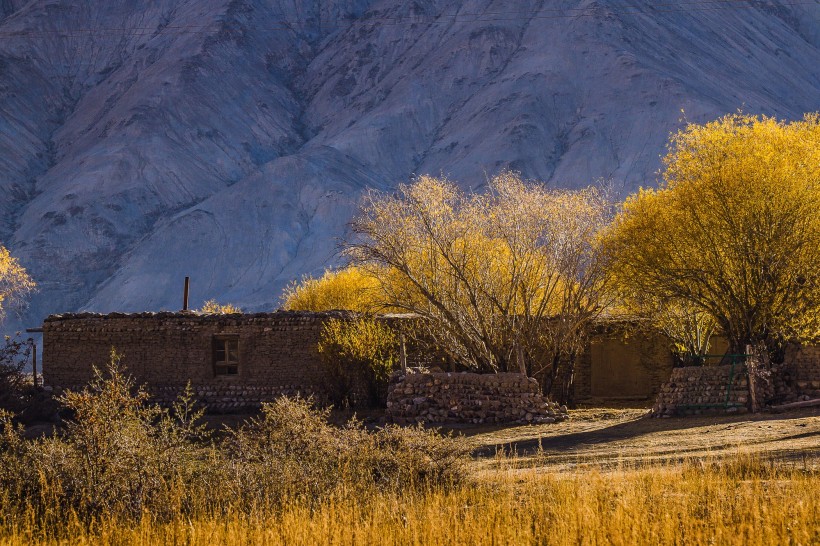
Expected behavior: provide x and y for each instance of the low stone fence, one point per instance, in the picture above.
(439, 397)
(798, 378)
(694, 390)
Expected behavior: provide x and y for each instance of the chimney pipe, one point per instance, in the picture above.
(185, 294)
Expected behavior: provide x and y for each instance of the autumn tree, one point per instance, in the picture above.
(689, 328)
(15, 286)
(15, 283)
(351, 288)
(506, 280)
(733, 233)
(358, 352)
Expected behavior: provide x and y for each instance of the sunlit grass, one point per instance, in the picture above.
(122, 472)
(740, 501)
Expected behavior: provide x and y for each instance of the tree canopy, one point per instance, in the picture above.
(15, 283)
(351, 288)
(733, 233)
(508, 280)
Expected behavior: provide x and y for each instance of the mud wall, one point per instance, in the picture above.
(277, 353)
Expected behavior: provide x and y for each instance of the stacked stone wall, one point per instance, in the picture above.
(695, 390)
(277, 353)
(446, 397)
(798, 378)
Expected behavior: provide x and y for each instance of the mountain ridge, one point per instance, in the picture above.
(229, 140)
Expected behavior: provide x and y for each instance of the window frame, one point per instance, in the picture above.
(228, 345)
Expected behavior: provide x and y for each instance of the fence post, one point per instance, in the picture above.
(403, 354)
(751, 372)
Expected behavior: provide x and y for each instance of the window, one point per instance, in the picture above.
(226, 355)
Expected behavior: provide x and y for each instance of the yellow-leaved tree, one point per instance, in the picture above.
(733, 233)
(351, 289)
(511, 279)
(15, 283)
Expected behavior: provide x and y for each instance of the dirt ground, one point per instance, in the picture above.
(607, 437)
(611, 437)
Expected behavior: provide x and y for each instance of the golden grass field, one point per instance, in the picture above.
(604, 477)
(742, 503)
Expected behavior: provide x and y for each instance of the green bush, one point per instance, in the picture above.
(358, 354)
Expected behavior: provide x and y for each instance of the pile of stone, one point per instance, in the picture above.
(695, 390)
(420, 395)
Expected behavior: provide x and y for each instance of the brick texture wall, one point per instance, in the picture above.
(277, 353)
(616, 366)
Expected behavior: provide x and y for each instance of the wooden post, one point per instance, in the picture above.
(403, 355)
(519, 357)
(751, 371)
(185, 294)
(33, 352)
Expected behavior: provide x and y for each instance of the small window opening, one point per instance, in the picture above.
(226, 355)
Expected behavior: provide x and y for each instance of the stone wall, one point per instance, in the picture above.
(798, 378)
(446, 397)
(277, 353)
(703, 389)
(694, 390)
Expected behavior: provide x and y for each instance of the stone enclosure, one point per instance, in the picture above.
(440, 397)
(694, 390)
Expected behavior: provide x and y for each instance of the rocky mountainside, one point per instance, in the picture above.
(228, 140)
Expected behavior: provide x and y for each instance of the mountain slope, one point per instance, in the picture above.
(228, 140)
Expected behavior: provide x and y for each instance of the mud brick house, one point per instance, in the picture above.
(232, 361)
(239, 360)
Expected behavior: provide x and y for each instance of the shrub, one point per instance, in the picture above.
(212, 307)
(15, 386)
(291, 449)
(120, 458)
(117, 455)
(360, 352)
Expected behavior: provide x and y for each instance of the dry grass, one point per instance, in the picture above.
(124, 474)
(745, 501)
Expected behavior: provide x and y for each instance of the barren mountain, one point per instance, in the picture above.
(144, 141)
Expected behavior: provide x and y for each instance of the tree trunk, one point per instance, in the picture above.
(757, 368)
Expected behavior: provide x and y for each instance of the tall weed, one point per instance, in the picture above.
(120, 457)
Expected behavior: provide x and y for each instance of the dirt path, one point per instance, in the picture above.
(616, 436)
